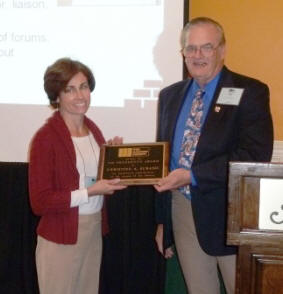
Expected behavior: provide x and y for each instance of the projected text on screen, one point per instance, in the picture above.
(115, 39)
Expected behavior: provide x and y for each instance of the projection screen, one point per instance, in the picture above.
(132, 47)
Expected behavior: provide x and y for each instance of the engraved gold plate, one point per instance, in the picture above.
(134, 164)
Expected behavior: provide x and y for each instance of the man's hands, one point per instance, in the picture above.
(168, 253)
(177, 178)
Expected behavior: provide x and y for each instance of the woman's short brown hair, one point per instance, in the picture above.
(57, 76)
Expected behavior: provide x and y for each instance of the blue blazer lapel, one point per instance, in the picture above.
(216, 114)
(217, 111)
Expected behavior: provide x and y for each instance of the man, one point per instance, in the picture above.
(216, 117)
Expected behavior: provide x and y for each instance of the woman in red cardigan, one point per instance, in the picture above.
(63, 188)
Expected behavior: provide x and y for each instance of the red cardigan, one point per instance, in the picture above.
(52, 177)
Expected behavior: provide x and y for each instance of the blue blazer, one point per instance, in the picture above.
(242, 132)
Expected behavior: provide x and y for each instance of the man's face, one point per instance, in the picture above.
(204, 56)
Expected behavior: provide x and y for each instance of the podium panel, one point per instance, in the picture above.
(260, 258)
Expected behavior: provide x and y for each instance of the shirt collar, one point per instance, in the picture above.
(209, 87)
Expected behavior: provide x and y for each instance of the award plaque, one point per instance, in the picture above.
(134, 164)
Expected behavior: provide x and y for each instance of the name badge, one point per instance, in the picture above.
(230, 96)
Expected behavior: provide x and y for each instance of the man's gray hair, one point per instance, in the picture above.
(199, 21)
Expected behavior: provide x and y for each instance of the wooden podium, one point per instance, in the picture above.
(260, 258)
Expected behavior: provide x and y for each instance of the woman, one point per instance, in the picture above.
(63, 190)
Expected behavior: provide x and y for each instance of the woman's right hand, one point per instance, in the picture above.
(105, 187)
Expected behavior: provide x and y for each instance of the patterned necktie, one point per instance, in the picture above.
(191, 136)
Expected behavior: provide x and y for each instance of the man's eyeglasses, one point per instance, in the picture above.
(206, 50)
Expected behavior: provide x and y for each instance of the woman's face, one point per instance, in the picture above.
(74, 100)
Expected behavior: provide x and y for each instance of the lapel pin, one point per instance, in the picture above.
(217, 108)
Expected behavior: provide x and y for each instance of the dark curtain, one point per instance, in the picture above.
(131, 263)
(17, 232)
